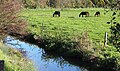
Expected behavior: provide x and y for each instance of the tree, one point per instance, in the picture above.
(9, 15)
(67, 3)
(43, 3)
(115, 34)
(101, 3)
(30, 3)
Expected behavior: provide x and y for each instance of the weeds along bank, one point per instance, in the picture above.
(71, 36)
(14, 61)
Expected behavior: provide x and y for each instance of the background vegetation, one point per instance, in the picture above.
(70, 3)
(9, 10)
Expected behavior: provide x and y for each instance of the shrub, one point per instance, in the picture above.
(9, 10)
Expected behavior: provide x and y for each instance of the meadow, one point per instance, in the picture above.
(69, 24)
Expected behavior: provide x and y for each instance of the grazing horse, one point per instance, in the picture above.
(84, 13)
(57, 13)
(97, 13)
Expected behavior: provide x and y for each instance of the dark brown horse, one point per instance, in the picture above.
(57, 13)
(97, 13)
(84, 13)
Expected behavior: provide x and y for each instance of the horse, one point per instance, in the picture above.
(97, 13)
(84, 13)
(57, 13)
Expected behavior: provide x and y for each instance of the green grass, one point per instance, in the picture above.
(14, 61)
(69, 24)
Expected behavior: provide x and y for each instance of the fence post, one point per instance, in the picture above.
(1, 65)
(105, 39)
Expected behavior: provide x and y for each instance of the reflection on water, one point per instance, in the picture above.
(42, 61)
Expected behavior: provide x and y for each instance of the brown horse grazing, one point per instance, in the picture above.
(84, 13)
(97, 13)
(57, 13)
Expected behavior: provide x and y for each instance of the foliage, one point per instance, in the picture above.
(115, 5)
(84, 43)
(115, 30)
(69, 3)
(9, 15)
(115, 34)
(30, 3)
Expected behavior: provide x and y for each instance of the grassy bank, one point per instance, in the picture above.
(14, 61)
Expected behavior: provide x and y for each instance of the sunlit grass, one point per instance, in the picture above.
(69, 24)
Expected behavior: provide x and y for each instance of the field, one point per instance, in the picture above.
(69, 24)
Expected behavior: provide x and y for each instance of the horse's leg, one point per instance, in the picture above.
(59, 15)
(79, 15)
(53, 15)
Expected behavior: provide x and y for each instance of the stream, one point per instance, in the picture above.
(41, 61)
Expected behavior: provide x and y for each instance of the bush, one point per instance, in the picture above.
(9, 10)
